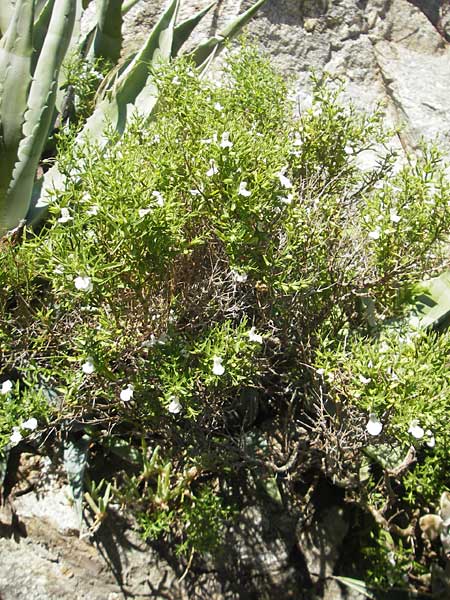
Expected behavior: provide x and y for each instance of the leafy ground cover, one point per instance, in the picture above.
(224, 289)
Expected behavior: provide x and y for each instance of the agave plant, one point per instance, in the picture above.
(36, 36)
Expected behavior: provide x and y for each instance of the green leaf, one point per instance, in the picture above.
(40, 107)
(108, 35)
(215, 43)
(184, 29)
(433, 305)
(355, 584)
(6, 13)
(16, 50)
(75, 458)
(134, 88)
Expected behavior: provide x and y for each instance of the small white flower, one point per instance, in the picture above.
(225, 142)
(83, 283)
(213, 168)
(30, 424)
(239, 277)
(348, 149)
(416, 430)
(196, 192)
(144, 211)
(218, 106)
(284, 181)
(286, 199)
(375, 234)
(364, 380)
(59, 270)
(93, 210)
(431, 441)
(320, 371)
(218, 368)
(374, 425)
(7, 386)
(243, 191)
(255, 337)
(16, 436)
(297, 141)
(156, 139)
(176, 80)
(174, 406)
(395, 218)
(127, 393)
(65, 216)
(159, 198)
(88, 367)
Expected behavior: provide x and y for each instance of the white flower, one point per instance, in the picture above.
(127, 393)
(195, 192)
(156, 139)
(225, 143)
(174, 406)
(159, 198)
(298, 140)
(16, 436)
(213, 168)
(375, 234)
(374, 425)
(218, 368)
(238, 277)
(364, 380)
(286, 199)
(144, 211)
(284, 181)
(7, 386)
(88, 367)
(30, 424)
(59, 270)
(93, 210)
(431, 441)
(83, 283)
(65, 216)
(348, 149)
(218, 107)
(395, 218)
(416, 430)
(255, 337)
(243, 191)
(176, 80)
(320, 371)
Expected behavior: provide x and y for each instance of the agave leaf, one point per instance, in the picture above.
(108, 35)
(203, 50)
(184, 29)
(16, 50)
(128, 5)
(432, 306)
(75, 458)
(6, 13)
(38, 116)
(119, 106)
(355, 584)
(41, 25)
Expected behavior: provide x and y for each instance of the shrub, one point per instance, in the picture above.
(217, 274)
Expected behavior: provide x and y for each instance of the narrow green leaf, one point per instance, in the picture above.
(357, 585)
(108, 36)
(16, 49)
(41, 103)
(203, 50)
(41, 25)
(184, 29)
(6, 13)
(75, 458)
(128, 5)
(119, 106)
